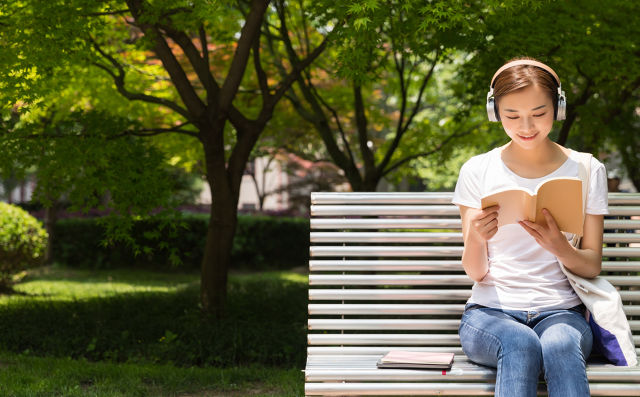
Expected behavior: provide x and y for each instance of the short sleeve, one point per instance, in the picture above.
(467, 191)
(597, 200)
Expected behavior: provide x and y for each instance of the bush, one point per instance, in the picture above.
(23, 242)
(261, 242)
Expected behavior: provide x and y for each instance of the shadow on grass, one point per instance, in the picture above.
(265, 325)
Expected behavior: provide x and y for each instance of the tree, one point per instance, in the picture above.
(117, 37)
(385, 111)
(593, 49)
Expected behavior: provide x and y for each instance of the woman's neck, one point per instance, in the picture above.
(545, 153)
(536, 162)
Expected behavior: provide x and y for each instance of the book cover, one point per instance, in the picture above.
(417, 360)
(562, 196)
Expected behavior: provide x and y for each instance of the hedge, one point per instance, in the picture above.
(261, 242)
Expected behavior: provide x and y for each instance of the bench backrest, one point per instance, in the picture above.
(386, 271)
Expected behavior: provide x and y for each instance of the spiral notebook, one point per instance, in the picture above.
(416, 360)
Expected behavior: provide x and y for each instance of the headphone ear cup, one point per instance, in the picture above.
(562, 105)
(491, 109)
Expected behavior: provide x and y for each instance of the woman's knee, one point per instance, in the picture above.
(485, 337)
(564, 338)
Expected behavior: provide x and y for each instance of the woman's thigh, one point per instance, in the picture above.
(564, 334)
(487, 333)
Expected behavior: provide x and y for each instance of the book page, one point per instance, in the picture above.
(515, 205)
(563, 198)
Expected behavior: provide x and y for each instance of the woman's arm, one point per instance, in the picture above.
(478, 226)
(585, 261)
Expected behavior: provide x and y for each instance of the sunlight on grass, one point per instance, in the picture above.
(62, 283)
(271, 276)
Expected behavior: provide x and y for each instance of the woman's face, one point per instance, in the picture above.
(526, 116)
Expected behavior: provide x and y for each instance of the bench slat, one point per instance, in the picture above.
(383, 309)
(361, 368)
(377, 210)
(424, 198)
(413, 294)
(450, 389)
(421, 279)
(364, 350)
(381, 197)
(382, 339)
(397, 309)
(420, 223)
(348, 351)
(422, 210)
(380, 324)
(381, 264)
(399, 324)
(382, 223)
(392, 339)
(414, 251)
(386, 237)
(389, 279)
(428, 237)
(318, 265)
(370, 250)
(391, 294)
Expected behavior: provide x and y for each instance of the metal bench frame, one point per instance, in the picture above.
(385, 273)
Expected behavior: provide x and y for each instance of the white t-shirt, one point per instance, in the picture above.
(522, 275)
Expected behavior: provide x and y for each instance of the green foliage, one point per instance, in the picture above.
(23, 242)
(266, 323)
(595, 54)
(261, 242)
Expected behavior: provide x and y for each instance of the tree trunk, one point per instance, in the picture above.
(217, 256)
(221, 231)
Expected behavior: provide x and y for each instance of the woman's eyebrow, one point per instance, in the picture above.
(511, 110)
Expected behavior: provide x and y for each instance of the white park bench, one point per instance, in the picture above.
(386, 273)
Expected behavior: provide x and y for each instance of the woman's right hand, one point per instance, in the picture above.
(483, 224)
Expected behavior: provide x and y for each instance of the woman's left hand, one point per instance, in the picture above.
(548, 236)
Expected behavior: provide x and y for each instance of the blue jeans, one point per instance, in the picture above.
(523, 344)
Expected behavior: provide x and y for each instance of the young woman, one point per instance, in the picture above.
(523, 317)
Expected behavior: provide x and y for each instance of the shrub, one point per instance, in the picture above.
(261, 242)
(23, 242)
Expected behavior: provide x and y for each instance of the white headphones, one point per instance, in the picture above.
(562, 100)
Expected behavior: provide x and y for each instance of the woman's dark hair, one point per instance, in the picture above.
(520, 76)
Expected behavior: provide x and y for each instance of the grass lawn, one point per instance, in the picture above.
(30, 374)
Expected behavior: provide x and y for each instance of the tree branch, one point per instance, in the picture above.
(423, 154)
(180, 80)
(238, 65)
(335, 116)
(119, 80)
(571, 109)
(200, 63)
(401, 130)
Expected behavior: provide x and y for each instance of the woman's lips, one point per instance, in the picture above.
(529, 137)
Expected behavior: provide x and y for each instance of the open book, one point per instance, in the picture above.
(562, 196)
(416, 360)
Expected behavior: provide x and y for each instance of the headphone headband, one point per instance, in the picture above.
(525, 62)
(560, 108)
